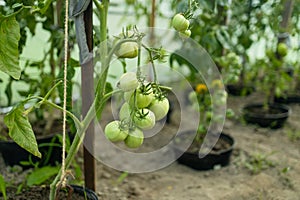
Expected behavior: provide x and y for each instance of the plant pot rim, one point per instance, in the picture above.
(223, 135)
(82, 189)
(286, 111)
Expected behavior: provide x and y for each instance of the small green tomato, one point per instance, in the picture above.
(144, 119)
(138, 98)
(128, 82)
(114, 132)
(180, 23)
(160, 108)
(185, 34)
(128, 50)
(134, 139)
(282, 49)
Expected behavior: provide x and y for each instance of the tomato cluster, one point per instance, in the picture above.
(181, 24)
(144, 104)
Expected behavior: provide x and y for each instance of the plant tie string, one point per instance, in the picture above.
(63, 178)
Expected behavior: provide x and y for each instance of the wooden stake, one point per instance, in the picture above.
(87, 89)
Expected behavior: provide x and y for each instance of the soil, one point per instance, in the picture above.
(265, 165)
(42, 193)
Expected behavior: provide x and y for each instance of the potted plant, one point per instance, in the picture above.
(222, 144)
(145, 100)
(272, 82)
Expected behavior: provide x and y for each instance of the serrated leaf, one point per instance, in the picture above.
(9, 40)
(21, 131)
(40, 175)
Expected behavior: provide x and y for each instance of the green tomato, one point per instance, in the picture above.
(128, 82)
(160, 108)
(125, 112)
(180, 23)
(138, 98)
(114, 133)
(185, 34)
(282, 49)
(128, 50)
(134, 139)
(144, 119)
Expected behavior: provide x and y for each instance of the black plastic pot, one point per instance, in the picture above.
(192, 160)
(255, 114)
(49, 146)
(239, 90)
(89, 194)
(291, 98)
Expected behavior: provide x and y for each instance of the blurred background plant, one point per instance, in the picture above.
(37, 73)
(201, 100)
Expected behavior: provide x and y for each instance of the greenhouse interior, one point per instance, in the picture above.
(150, 99)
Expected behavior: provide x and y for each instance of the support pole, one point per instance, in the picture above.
(87, 90)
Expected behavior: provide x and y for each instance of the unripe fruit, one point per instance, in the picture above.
(282, 49)
(134, 139)
(114, 133)
(185, 34)
(128, 82)
(180, 23)
(145, 122)
(160, 108)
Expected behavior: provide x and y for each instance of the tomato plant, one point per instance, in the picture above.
(126, 45)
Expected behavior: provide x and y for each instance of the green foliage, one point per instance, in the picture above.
(3, 187)
(258, 162)
(40, 175)
(9, 54)
(20, 130)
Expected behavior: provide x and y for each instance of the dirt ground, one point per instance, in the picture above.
(265, 166)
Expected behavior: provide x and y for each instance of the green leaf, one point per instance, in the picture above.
(21, 131)
(40, 175)
(3, 187)
(9, 39)
(47, 3)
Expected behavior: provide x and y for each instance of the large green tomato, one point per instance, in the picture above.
(135, 138)
(160, 108)
(144, 121)
(114, 133)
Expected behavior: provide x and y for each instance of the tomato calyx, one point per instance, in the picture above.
(141, 113)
